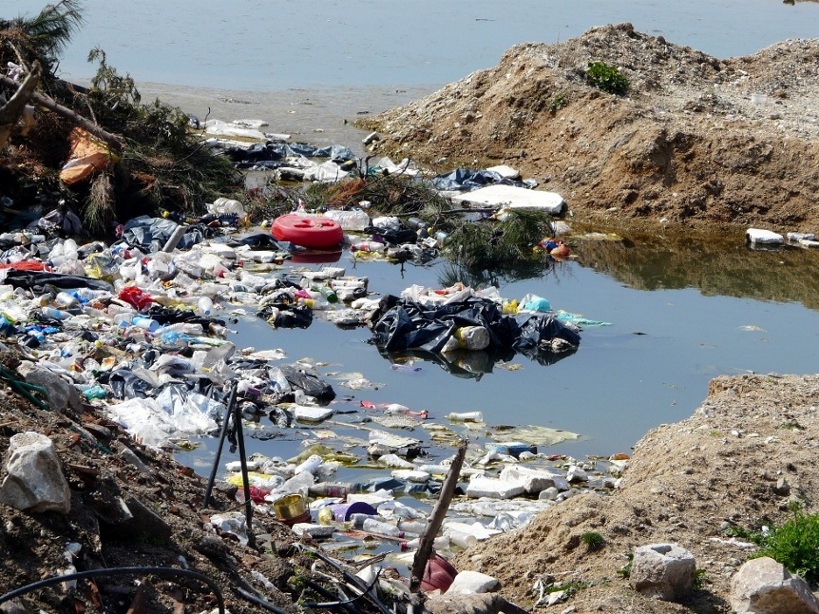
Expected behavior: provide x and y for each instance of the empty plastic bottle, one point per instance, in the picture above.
(204, 305)
(465, 416)
(371, 525)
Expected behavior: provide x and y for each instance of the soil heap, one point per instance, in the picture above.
(696, 140)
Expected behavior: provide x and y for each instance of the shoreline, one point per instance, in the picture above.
(316, 116)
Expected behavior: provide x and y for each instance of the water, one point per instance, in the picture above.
(245, 45)
(680, 314)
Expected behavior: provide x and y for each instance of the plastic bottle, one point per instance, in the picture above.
(310, 465)
(145, 323)
(95, 392)
(368, 246)
(56, 314)
(371, 525)
(465, 416)
(439, 543)
(412, 526)
(333, 489)
(65, 299)
(460, 539)
(204, 305)
(327, 293)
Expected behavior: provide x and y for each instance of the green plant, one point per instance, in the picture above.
(700, 579)
(43, 37)
(625, 571)
(795, 544)
(593, 540)
(557, 102)
(733, 530)
(607, 78)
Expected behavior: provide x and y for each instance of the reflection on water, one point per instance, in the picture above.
(716, 265)
(472, 364)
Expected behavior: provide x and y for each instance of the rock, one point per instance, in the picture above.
(144, 520)
(472, 582)
(763, 586)
(782, 488)
(576, 474)
(484, 603)
(663, 570)
(35, 481)
(61, 394)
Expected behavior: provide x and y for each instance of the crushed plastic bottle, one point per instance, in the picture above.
(466, 416)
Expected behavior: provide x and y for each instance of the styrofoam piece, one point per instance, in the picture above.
(533, 480)
(761, 236)
(410, 475)
(513, 197)
(505, 171)
(309, 413)
(470, 582)
(494, 488)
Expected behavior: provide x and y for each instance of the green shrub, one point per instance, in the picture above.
(593, 540)
(795, 544)
(606, 78)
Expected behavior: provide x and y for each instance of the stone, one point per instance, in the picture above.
(666, 571)
(764, 586)
(60, 393)
(482, 603)
(576, 474)
(35, 480)
(782, 488)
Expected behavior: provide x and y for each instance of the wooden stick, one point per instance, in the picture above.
(419, 563)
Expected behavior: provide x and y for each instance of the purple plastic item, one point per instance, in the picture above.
(343, 511)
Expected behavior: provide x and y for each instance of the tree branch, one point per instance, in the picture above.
(79, 120)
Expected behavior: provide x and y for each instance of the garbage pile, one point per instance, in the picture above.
(141, 329)
(461, 318)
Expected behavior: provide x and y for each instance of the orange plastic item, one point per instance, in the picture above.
(88, 156)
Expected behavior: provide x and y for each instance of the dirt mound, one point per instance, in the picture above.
(695, 140)
(685, 484)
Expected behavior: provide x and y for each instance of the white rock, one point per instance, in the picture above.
(663, 570)
(35, 481)
(763, 586)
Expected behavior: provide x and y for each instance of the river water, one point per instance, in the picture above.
(680, 314)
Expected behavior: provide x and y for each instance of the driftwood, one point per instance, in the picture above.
(419, 563)
(12, 111)
(52, 105)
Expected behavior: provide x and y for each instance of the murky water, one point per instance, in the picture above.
(680, 313)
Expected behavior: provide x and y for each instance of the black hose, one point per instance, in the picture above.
(119, 571)
(326, 593)
(259, 601)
